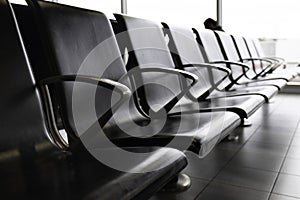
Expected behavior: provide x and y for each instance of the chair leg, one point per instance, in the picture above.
(246, 122)
(180, 183)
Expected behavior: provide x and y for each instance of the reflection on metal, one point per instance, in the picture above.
(179, 184)
(9, 155)
(124, 6)
(219, 12)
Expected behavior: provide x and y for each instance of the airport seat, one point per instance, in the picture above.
(229, 50)
(253, 52)
(33, 167)
(260, 66)
(129, 126)
(152, 50)
(187, 56)
(279, 64)
(213, 54)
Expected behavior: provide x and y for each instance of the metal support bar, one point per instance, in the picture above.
(124, 6)
(219, 12)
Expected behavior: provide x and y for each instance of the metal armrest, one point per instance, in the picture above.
(103, 82)
(269, 66)
(217, 67)
(169, 105)
(123, 90)
(276, 59)
(259, 59)
(244, 67)
(210, 67)
(185, 74)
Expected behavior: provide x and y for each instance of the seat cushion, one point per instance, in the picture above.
(279, 83)
(265, 91)
(283, 75)
(51, 174)
(197, 132)
(248, 103)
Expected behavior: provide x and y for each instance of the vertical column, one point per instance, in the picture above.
(219, 12)
(124, 6)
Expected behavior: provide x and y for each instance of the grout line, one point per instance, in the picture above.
(286, 195)
(298, 175)
(240, 186)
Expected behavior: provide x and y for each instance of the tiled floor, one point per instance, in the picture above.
(263, 164)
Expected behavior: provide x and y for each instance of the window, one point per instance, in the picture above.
(264, 19)
(189, 12)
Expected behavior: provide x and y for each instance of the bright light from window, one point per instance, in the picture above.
(20, 2)
(262, 18)
(189, 12)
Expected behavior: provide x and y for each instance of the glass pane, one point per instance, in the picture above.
(267, 18)
(188, 12)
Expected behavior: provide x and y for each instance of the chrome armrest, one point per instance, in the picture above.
(123, 90)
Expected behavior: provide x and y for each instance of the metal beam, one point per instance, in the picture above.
(124, 6)
(219, 12)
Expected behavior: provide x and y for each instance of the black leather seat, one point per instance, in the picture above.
(213, 54)
(260, 66)
(148, 48)
(251, 76)
(79, 47)
(189, 57)
(32, 167)
(148, 51)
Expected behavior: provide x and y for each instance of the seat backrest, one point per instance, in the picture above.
(226, 42)
(147, 48)
(252, 49)
(215, 52)
(259, 48)
(22, 126)
(188, 52)
(241, 46)
(245, 52)
(77, 41)
(209, 42)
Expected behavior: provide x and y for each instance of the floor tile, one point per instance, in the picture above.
(288, 185)
(246, 168)
(281, 197)
(265, 148)
(257, 161)
(196, 187)
(283, 139)
(218, 191)
(294, 152)
(247, 177)
(243, 135)
(291, 166)
(208, 167)
(277, 126)
(276, 129)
